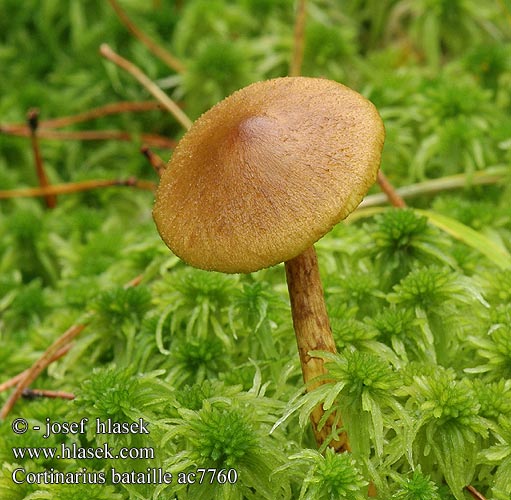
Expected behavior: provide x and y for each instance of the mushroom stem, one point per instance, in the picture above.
(312, 330)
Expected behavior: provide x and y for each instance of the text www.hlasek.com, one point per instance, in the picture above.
(150, 475)
(76, 452)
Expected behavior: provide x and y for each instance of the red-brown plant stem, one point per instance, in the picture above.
(299, 39)
(76, 187)
(43, 393)
(101, 111)
(393, 196)
(14, 380)
(397, 201)
(134, 282)
(474, 493)
(155, 161)
(32, 120)
(154, 140)
(34, 371)
(439, 185)
(313, 332)
(106, 51)
(161, 53)
(51, 353)
(92, 114)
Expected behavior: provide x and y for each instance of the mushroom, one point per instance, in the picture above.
(263, 175)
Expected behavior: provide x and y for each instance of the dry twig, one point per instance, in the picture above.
(59, 345)
(154, 140)
(14, 380)
(92, 114)
(156, 162)
(43, 393)
(474, 493)
(75, 187)
(161, 53)
(299, 36)
(393, 196)
(432, 186)
(35, 370)
(147, 83)
(33, 123)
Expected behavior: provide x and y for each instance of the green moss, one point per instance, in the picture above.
(416, 487)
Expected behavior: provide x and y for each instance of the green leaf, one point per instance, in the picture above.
(497, 254)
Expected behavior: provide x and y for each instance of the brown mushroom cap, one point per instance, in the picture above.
(267, 172)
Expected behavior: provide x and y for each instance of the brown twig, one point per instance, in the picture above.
(371, 490)
(135, 281)
(147, 83)
(92, 114)
(34, 371)
(155, 140)
(393, 196)
(156, 162)
(101, 111)
(299, 36)
(43, 393)
(61, 343)
(161, 53)
(75, 187)
(14, 380)
(475, 494)
(433, 186)
(33, 123)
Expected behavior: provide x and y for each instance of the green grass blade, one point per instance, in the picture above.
(496, 253)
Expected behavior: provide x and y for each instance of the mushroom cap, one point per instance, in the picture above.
(267, 172)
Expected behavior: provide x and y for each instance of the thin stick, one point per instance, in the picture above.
(156, 162)
(76, 187)
(390, 191)
(92, 114)
(433, 186)
(49, 356)
(14, 380)
(155, 140)
(32, 120)
(34, 371)
(149, 85)
(299, 36)
(101, 111)
(43, 393)
(156, 49)
(135, 281)
(475, 494)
